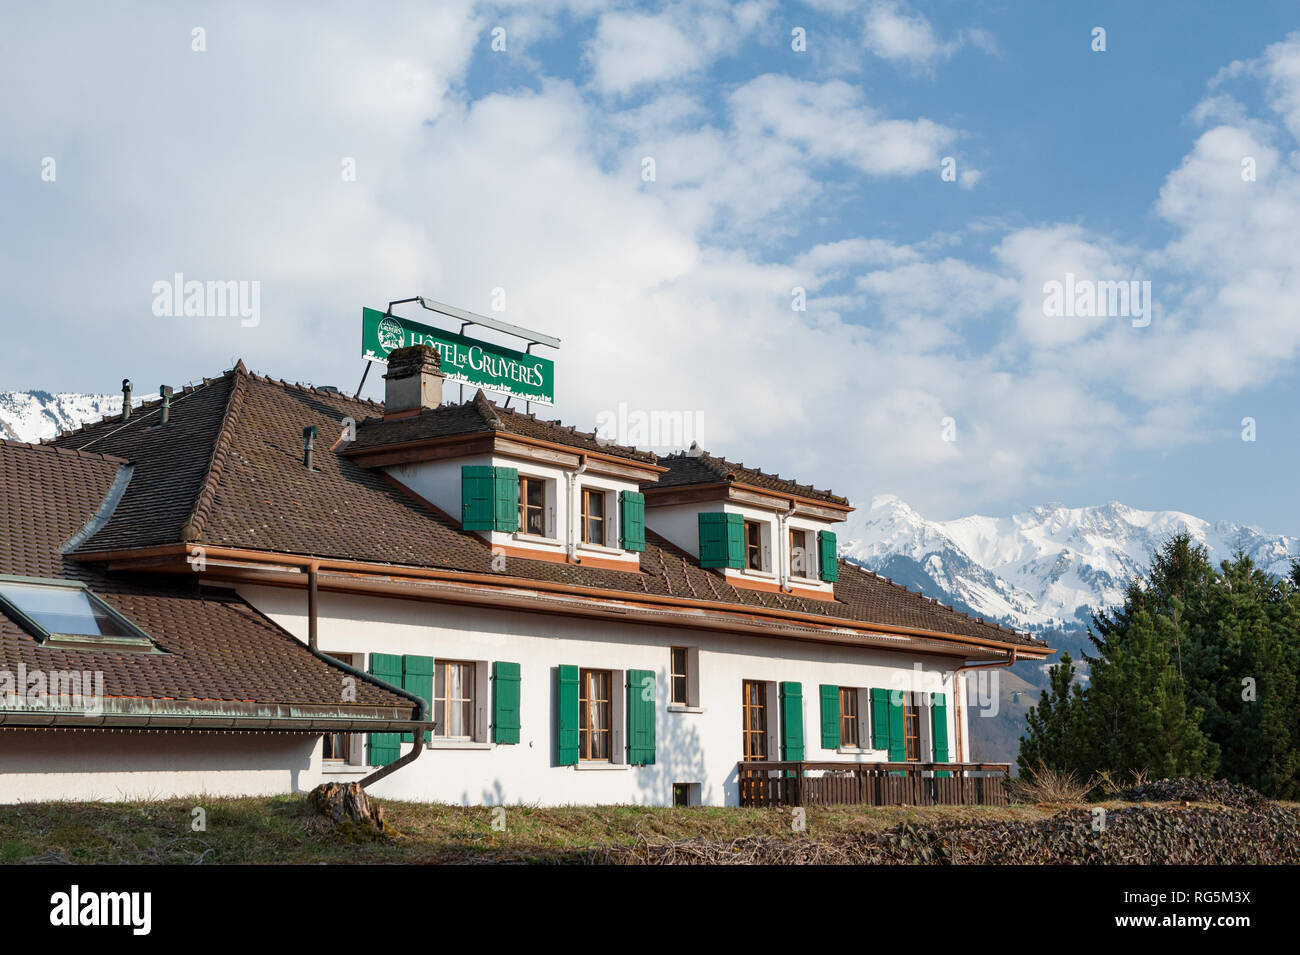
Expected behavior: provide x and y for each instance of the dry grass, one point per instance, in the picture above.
(279, 830)
(1049, 787)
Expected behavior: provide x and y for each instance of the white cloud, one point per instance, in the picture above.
(892, 31)
(632, 50)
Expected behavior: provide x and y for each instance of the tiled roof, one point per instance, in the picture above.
(258, 495)
(481, 416)
(699, 467)
(216, 646)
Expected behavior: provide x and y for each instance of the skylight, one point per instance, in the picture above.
(66, 611)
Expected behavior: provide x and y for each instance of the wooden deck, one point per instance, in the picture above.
(872, 784)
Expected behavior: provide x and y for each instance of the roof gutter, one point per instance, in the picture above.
(311, 726)
(229, 558)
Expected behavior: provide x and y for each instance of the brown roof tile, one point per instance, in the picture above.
(483, 416)
(700, 467)
(216, 646)
(256, 494)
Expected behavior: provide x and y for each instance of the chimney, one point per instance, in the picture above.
(308, 445)
(166, 392)
(413, 382)
(126, 398)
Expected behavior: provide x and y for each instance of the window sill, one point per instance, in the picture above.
(456, 744)
(344, 769)
(597, 767)
(534, 539)
(809, 581)
(683, 708)
(759, 574)
(600, 549)
(852, 751)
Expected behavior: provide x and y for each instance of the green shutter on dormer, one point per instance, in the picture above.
(507, 499)
(829, 563)
(489, 498)
(632, 520)
(722, 540)
(478, 497)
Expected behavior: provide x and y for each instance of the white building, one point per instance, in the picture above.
(580, 622)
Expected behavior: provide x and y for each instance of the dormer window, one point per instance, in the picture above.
(593, 516)
(532, 505)
(753, 545)
(801, 561)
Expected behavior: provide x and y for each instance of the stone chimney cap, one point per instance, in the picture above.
(404, 362)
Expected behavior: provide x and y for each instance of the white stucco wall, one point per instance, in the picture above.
(49, 765)
(691, 747)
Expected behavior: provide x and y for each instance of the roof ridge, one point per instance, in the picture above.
(207, 495)
(53, 449)
(311, 389)
(920, 595)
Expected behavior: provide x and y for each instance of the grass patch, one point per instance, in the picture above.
(275, 830)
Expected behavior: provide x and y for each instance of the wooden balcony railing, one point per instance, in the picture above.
(872, 784)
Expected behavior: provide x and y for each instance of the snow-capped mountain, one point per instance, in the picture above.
(1043, 568)
(35, 415)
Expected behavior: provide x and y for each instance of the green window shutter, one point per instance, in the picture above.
(722, 540)
(632, 520)
(791, 721)
(507, 499)
(417, 678)
(829, 568)
(640, 717)
(566, 715)
(939, 713)
(830, 717)
(384, 748)
(897, 732)
(505, 702)
(477, 494)
(879, 719)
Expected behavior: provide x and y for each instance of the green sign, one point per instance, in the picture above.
(528, 377)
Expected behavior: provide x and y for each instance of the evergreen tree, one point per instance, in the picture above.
(1053, 737)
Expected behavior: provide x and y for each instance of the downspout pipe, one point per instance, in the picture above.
(422, 708)
(958, 694)
(784, 565)
(573, 510)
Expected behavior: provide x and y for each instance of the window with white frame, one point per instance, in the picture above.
(454, 709)
(802, 559)
(594, 523)
(532, 505)
(684, 676)
(756, 546)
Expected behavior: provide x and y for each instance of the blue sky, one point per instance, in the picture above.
(521, 169)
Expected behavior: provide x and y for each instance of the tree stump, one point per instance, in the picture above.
(347, 807)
